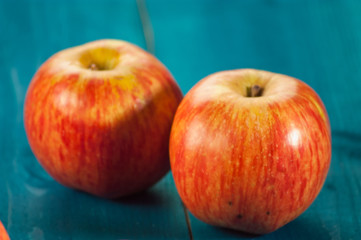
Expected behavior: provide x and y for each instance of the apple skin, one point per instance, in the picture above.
(3, 234)
(98, 117)
(250, 163)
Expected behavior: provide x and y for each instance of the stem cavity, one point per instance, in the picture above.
(254, 91)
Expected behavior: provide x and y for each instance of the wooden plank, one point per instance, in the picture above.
(316, 41)
(32, 205)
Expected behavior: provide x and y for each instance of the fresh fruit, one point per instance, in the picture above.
(98, 117)
(250, 149)
(3, 234)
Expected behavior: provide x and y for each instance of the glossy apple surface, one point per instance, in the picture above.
(3, 234)
(98, 117)
(250, 162)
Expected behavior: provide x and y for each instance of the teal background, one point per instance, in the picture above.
(317, 41)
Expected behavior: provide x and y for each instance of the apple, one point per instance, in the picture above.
(3, 234)
(250, 149)
(98, 117)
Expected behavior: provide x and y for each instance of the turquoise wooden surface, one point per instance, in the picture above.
(317, 41)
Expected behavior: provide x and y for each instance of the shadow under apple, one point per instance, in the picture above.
(304, 227)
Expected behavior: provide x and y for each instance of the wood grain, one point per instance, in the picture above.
(316, 41)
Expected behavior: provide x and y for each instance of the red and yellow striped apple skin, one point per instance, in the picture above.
(246, 165)
(3, 234)
(105, 134)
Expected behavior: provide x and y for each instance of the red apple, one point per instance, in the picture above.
(250, 149)
(3, 234)
(98, 117)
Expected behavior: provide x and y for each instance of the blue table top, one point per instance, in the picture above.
(316, 41)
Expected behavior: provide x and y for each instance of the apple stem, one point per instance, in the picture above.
(254, 91)
(93, 66)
